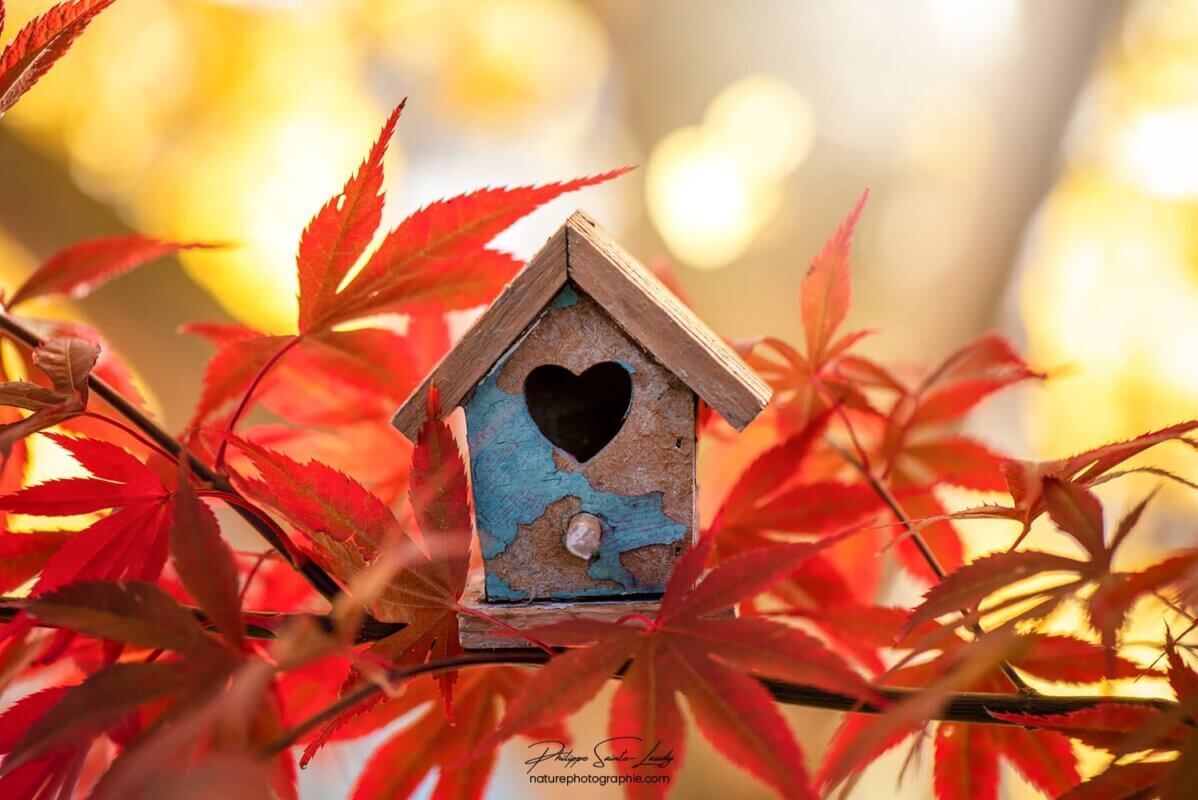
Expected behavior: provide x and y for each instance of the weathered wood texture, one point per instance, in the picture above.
(661, 324)
(639, 303)
(641, 484)
(492, 333)
(478, 634)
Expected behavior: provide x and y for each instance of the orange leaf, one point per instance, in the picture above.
(825, 289)
(340, 232)
(81, 268)
(437, 257)
(39, 44)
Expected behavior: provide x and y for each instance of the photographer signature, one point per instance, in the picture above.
(616, 750)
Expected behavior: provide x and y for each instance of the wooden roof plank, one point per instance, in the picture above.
(660, 323)
(583, 252)
(490, 336)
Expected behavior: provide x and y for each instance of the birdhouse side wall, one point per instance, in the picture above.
(641, 485)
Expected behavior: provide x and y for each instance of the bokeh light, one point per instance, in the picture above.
(1110, 289)
(710, 188)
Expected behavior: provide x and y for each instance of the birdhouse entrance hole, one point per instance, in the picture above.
(579, 413)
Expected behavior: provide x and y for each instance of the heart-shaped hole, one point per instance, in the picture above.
(579, 413)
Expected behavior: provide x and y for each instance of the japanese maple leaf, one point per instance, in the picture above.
(827, 375)
(918, 449)
(39, 44)
(330, 378)
(767, 498)
(967, 756)
(141, 615)
(1026, 480)
(1076, 512)
(349, 529)
(431, 741)
(1168, 738)
(368, 449)
(436, 260)
(769, 501)
(692, 649)
(136, 614)
(50, 773)
(130, 543)
(78, 270)
(24, 555)
(66, 363)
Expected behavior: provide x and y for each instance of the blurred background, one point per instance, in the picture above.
(1033, 167)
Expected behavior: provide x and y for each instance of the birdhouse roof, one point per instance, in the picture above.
(587, 255)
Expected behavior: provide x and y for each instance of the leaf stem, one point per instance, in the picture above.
(237, 502)
(116, 423)
(933, 563)
(269, 364)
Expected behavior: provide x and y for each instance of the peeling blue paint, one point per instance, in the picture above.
(497, 587)
(515, 479)
(566, 297)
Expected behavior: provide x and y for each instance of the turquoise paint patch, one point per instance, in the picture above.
(497, 587)
(566, 297)
(515, 479)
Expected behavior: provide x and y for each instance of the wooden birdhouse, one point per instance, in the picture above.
(580, 385)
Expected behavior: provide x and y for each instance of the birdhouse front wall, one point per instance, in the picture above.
(630, 478)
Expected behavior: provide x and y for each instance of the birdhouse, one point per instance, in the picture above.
(580, 385)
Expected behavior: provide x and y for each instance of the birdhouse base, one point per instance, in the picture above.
(477, 634)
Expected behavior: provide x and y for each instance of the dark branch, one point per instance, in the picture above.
(320, 580)
(973, 707)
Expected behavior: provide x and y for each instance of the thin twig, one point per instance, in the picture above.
(244, 404)
(933, 563)
(320, 580)
(129, 431)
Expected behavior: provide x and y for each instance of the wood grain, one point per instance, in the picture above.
(583, 252)
(655, 318)
(477, 634)
(492, 333)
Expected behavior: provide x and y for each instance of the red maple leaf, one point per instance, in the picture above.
(130, 543)
(1026, 480)
(436, 260)
(79, 269)
(349, 529)
(39, 44)
(967, 756)
(66, 363)
(688, 648)
(1076, 512)
(431, 741)
(330, 378)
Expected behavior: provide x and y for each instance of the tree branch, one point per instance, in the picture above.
(320, 580)
(975, 707)
(887, 497)
(972, 707)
